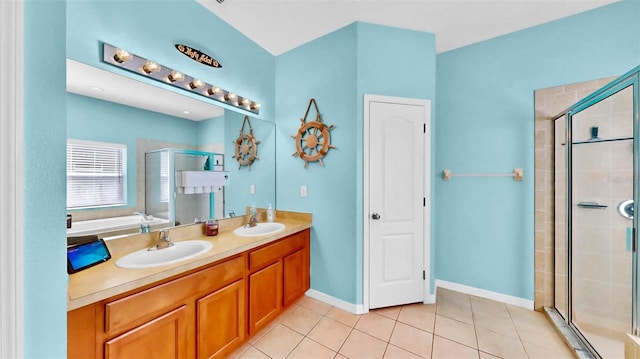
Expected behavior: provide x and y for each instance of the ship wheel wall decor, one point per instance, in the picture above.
(246, 146)
(313, 139)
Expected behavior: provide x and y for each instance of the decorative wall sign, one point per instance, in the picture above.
(197, 55)
(246, 146)
(313, 139)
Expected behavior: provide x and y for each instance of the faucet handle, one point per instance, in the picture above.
(164, 235)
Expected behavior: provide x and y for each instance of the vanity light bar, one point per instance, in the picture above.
(141, 66)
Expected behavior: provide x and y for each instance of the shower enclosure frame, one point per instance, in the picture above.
(631, 78)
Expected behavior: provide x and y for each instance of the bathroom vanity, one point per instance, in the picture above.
(205, 307)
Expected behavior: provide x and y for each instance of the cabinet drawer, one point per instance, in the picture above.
(131, 311)
(273, 252)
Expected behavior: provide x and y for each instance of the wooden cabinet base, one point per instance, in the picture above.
(205, 313)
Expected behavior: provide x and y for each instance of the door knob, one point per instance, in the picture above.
(375, 216)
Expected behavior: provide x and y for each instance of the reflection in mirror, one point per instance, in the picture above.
(107, 107)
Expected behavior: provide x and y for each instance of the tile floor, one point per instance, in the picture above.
(459, 326)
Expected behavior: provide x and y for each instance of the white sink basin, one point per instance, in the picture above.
(261, 229)
(178, 252)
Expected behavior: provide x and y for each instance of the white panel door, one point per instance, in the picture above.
(396, 203)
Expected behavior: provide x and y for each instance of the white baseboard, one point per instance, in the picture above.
(504, 298)
(338, 303)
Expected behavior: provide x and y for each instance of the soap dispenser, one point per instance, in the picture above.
(270, 213)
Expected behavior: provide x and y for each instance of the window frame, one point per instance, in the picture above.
(116, 169)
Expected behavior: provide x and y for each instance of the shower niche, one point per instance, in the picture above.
(184, 186)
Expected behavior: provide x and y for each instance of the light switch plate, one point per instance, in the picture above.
(303, 191)
(252, 189)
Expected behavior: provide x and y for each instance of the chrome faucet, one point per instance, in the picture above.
(164, 241)
(253, 221)
(144, 227)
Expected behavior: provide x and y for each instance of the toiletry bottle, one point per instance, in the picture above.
(270, 213)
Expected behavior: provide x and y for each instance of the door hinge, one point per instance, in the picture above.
(424, 275)
(424, 201)
(424, 127)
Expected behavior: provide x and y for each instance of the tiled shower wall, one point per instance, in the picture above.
(550, 102)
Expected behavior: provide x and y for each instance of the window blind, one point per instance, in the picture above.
(96, 174)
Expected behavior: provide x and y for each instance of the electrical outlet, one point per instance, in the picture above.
(252, 189)
(303, 191)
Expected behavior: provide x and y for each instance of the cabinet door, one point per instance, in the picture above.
(294, 276)
(221, 321)
(265, 296)
(163, 337)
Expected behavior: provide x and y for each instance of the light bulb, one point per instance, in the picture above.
(254, 106)
(213, 90)
(244, 102)
(196, 84)
(150, 67)
(121, 56)
(230, 96)
(175, 76)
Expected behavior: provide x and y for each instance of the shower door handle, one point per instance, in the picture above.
(592, 205)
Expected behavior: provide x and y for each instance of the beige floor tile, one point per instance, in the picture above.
(499, 344)
(361, 345)
(342, 316)
(542, 336)
(315, 305)
(393, 352)
(340, 356)
(301, 319)
(254, 339)
(460, 332)
(499, 323)
(376, 325)
(330, 333)
(412, 339)
(390, 312)
(484, 355)
(453, 297)
(310, 349)
(538, 352)
(253, 353)
(522, 316)
(418, 315)
(487, 305)
(236, 354)
(455, 311)
(279, 341)
(447, 349)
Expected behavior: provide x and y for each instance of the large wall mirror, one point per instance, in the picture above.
(106, 107)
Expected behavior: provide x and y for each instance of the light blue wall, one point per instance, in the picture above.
(262, 173)
(325, 69)
(151, 29)
(45, 277)
(337, 70)
(484, 231)
(96, 120)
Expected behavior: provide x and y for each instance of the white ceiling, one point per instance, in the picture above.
(281, 25)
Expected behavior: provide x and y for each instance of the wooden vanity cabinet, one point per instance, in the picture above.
(201, 315)
(206, 313)
(278, 276)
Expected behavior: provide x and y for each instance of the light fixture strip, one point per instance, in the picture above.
(141, 66)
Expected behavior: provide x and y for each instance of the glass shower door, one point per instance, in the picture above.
(600, 263)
